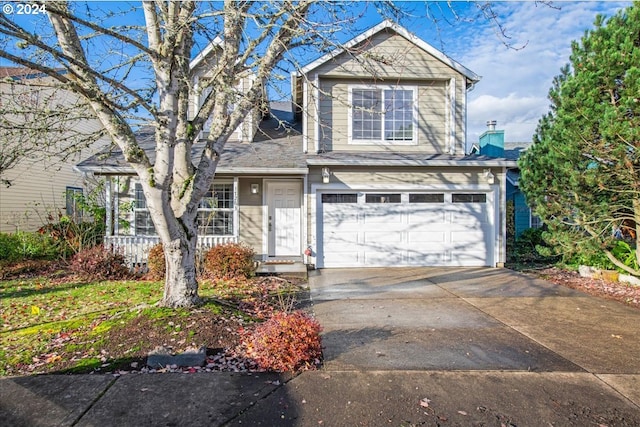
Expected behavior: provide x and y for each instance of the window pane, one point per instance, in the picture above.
(141, 201)
(340, 198)
(72, 209)
(426, 198)
(215, 223)
(219, 197)
(382, 198)
(469, 198)
(366, 114)
(144, 225)
(398, 115)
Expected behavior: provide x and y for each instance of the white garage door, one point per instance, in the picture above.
(374, 229)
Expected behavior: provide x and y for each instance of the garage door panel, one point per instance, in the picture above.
(382, 238)
(467, 236)
(470, 217)
(342, 259)
(383, 258)
(427, 218)
(342, 238)
(417, 237)
(336, 216)
(426, 258)
(468, 258)
(371, 216)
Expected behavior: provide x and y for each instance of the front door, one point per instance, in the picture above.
(284, 218)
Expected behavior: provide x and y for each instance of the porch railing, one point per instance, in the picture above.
(136, 248)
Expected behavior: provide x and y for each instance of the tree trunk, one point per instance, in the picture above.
(181, 285)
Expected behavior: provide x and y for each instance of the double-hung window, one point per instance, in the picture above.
(72, 205)
(215, 213)
(214, 218)
(383, 114)
(142, 218)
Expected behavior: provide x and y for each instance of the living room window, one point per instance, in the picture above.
(214, 218)
(382, 114)
(215, 213)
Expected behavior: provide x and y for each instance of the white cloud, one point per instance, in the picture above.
(515, 82)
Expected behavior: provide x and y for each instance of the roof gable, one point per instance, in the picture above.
(385, 25)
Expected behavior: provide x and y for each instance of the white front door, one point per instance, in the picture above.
(284, 218)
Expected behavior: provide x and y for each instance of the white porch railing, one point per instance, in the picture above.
(136, 248)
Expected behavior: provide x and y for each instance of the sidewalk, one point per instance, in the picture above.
(402, 347)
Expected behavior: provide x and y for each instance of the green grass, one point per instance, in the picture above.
(26, 303)
(57, 326)
(38, 315)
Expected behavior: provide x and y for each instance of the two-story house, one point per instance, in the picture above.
(379, 175)
(43, 181)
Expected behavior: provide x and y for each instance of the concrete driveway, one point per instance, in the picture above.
(471, 319)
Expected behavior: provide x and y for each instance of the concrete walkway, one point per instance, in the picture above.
(411, 346)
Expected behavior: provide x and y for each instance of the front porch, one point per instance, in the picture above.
(135, 249)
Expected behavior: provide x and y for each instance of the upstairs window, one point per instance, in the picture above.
(382, 115)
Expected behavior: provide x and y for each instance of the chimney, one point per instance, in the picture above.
(492, 141)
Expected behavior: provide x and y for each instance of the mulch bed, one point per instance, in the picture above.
(618, 291)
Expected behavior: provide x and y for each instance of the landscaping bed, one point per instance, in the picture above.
(619, 291)
(62, 324)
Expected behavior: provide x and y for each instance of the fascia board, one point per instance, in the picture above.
(217, 41)
(438, 162)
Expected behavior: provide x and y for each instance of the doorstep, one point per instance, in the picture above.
(281, 267)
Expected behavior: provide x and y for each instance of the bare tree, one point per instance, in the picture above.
(38, 122)
(132, 74)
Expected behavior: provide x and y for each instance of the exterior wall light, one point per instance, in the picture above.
(255, 188)
(490, 177)
(326, 174)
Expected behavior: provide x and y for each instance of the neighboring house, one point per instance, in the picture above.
(39, 185)
(492, 144)
(380, 174)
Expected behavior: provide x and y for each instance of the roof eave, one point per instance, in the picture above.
(413, 162)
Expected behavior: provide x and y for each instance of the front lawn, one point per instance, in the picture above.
(68, 325)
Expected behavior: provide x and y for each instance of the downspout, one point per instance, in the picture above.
(109, 208)
(452, 116)
(316, 107)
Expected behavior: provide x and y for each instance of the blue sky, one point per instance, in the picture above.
(516, 79)
(515, 83)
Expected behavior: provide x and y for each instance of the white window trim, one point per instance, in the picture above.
(235, 210)
(382, 141)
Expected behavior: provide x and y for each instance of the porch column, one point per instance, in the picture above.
(108, 208)
(236, 210)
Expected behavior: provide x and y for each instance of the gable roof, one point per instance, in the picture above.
(387, 24)
(216, 42)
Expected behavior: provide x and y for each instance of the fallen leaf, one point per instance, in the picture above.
(616, 336)
(462, 412)
(425, 402)
(35, 310)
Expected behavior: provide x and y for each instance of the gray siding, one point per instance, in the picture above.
(388, 59)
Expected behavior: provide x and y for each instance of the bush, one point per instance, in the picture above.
(286, 342)
(530, 247)
(72, 237)
(156, 262)
(99, 263)
(22, 246)
(228, 261)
